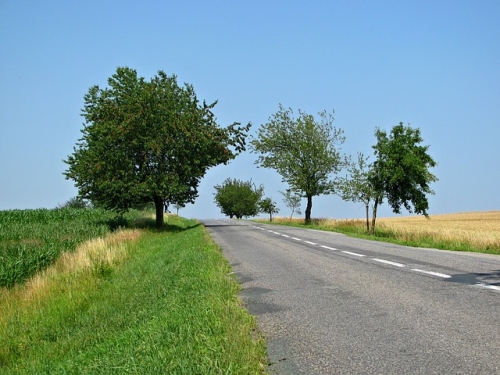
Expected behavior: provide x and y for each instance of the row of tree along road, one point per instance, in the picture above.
(153, 141)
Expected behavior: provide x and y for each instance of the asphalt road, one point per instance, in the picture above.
(331, 304)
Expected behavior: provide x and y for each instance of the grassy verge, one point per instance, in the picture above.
(138, 301)
(476, 231)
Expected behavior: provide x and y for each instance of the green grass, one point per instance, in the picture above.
(31, 240)
(170, 307)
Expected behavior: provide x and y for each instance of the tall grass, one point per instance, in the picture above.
(472, 231)
(31, 240)
(136, 301)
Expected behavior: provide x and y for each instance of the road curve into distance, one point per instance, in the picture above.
(332, 304)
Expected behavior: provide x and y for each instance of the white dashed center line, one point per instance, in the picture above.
(328, 248)
(351, 253)
(432, 273)
(444, 276)
(388, 262)
(494, 287)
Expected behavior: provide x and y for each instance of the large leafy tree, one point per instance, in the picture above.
(148, 141)
(238, 198)
(400, 172)
(303, 150)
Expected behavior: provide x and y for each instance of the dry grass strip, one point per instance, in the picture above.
(97, 252)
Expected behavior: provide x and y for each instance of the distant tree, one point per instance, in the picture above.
(148, 141)
(357, 187)
(269, 207)
(178, 206)
(400, 172)
(302, 150)
(292, 201)
(76, 202)
(238, 198)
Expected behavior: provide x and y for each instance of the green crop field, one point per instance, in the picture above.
(31, 240)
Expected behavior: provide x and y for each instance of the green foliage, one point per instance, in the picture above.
(31, 240)
(170, 308)
(238, 198)
(148, 142)
(303, 150)
(268, 206)
(401, 171)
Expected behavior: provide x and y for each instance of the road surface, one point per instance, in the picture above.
(331, 304)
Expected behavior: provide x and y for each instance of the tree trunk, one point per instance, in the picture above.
(374, 216)
(270, 217)
(159, 212)
(308, 209)
(367, 220)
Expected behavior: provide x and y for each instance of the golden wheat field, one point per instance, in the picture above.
(479, 229)
(476, 231)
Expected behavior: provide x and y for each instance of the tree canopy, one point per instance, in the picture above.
(148, 141)
(400, 172)
(238, 198)
(303, 150)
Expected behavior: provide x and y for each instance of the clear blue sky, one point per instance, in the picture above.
(432, 64)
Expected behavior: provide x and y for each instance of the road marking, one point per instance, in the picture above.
(432, 273)
(488, 286)
(389, 262)
(329, 248)
(443, 275)
(355, 254)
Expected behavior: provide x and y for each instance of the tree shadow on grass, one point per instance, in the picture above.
(121, 222)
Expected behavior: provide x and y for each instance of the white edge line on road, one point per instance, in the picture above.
(443, 275)
(388, 262)
(310, 243)
(494, 287)
(284, 235)
(296, 239)
(355, 254)
(327, 247)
